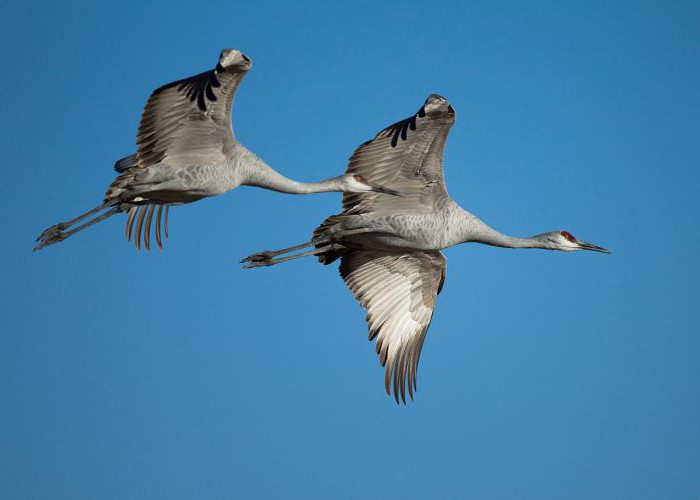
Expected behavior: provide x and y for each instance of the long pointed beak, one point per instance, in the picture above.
(595, 248)
(381, 189)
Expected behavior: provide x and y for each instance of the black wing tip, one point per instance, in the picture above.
(400, 129)
(199, 87)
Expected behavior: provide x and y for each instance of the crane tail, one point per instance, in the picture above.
(139, 227)
(62, 230)
(159, 240)
(130, 222)
(140, 222)
(165, 221)
(325, 231)
(147, 229)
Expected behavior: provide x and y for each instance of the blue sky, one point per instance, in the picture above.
(176, 374)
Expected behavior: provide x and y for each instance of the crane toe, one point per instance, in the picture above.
(50, 238)
(56, 228)
(258, 257)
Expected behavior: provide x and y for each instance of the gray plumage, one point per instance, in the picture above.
(389, 247)
(187, 151)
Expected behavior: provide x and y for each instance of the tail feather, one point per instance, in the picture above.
(139, 223)
(159, 240)
(147, 229)
(130, 222)
(323, 231)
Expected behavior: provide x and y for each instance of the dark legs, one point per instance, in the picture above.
(58, 232)
(267, 258)
(264, 262)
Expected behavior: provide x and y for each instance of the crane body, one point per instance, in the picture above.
(389, 247)
(187, 151)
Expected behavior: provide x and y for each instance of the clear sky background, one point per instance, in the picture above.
(175, 374)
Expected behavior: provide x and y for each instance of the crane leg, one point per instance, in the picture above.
(62, 226)
(60, 235)
(269, 254)
(272, 262)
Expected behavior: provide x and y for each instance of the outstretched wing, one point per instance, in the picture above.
(398, 290)
(188, 121)
(407, 157)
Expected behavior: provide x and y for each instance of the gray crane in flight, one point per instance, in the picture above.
(389, 247)
(187, 151)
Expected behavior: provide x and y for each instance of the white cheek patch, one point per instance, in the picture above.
(570, 247)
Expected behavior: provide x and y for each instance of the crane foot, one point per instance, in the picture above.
(259, 257)
(56, 228)
(50, 239)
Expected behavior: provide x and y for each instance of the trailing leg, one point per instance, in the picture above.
(316, 241)
(269, 254)
(316, 251)
(58, 232)
(62, 226)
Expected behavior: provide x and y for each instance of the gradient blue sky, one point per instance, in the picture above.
(177, 375)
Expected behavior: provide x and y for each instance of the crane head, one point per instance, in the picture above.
(353, 183)
(567, 242)
(234, 61)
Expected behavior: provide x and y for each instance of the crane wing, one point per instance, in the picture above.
(407, 157)
(398, 290)
(188, 122)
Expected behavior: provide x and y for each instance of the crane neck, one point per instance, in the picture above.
(498, 239)
(259, 174)
(475, 230)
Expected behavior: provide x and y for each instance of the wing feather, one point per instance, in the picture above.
(406, 156)
(188, 120)
(398, 290)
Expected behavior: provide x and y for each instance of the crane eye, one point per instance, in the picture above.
(568, 236)
(359, 178)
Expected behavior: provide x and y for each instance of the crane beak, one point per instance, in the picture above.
(381, 189)
(588, 246)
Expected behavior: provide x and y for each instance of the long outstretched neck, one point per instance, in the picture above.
(261, 175)
(474, 230)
